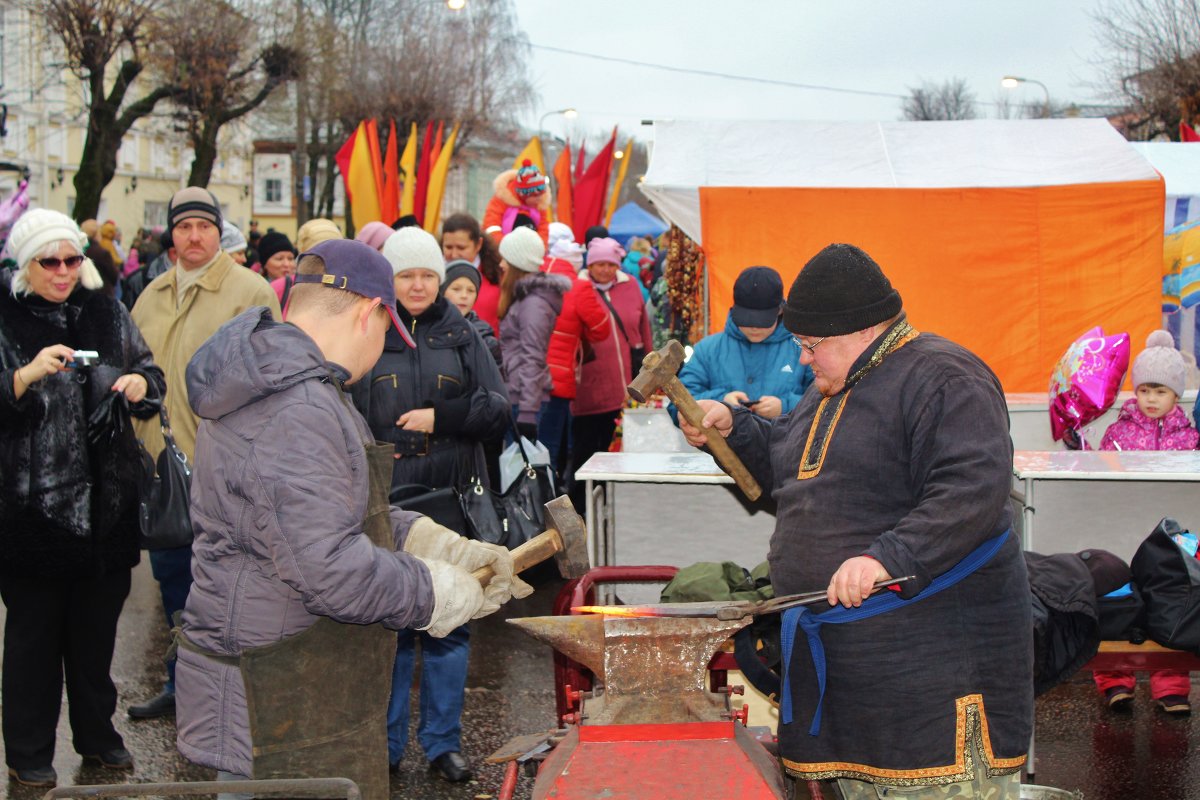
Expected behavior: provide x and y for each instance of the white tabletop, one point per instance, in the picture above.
(1161, 465)
(694, 467)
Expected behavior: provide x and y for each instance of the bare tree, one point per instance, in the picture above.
(105, 43)
(1151, 63)
(207, 49)
(950, 99)
(426, 63)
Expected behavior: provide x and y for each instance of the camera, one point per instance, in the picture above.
(81, 359)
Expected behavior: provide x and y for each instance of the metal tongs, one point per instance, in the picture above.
(725, 610)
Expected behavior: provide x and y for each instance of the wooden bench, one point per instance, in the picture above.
(1128, 657)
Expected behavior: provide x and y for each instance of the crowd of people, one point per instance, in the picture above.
(498, 333)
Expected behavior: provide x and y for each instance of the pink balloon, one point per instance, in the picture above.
(1086, 380)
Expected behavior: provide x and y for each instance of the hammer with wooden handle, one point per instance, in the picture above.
(660, 371)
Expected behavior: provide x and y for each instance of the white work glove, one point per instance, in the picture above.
(427, 539)
(457, 598)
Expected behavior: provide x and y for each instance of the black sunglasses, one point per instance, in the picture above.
(52, 264)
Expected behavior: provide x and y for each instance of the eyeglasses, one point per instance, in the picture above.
(811, 348)
(52, 264)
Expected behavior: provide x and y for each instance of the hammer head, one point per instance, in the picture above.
(572, 559)
(657, 368)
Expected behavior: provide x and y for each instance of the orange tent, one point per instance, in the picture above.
(1009, 237)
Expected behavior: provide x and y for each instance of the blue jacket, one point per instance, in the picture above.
(728, 361)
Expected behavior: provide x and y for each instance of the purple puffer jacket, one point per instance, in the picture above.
(278, 500)
(1133, 430)
(525, 338)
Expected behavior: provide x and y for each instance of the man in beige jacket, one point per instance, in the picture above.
(176, 314)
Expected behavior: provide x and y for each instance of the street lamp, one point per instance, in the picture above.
(569, 113)
(456, 5)
(1012, 82)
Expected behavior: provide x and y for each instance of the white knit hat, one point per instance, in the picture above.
(558, 232)
(232, 239)
(523, 249)
(413, 248)
(40, 227)
(1160, 363)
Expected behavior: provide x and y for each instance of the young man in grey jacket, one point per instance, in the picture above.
(300, 564)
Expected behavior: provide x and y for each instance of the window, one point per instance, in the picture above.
(274, 190)
(154, 214)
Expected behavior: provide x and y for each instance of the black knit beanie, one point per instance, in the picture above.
(274, 242)
(460, 269)
(840, 290)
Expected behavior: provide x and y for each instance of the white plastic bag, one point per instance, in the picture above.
(511, 462)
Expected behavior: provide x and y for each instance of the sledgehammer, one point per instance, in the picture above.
(660, 371)
(565, 538)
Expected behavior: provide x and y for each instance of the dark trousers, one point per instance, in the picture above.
(173, 570)
(554, 431)
(590, 434)
(59, 628)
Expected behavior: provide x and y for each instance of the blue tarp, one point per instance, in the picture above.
(633, 220)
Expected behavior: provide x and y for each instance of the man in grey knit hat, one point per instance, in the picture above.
(899, 464)
(176, 314)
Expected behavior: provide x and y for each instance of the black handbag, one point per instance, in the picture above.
(480, 508)
(164, 520)
(440, 505)
(525, 499)
(1169, 579)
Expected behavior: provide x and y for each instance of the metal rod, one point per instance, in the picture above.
(304, 787)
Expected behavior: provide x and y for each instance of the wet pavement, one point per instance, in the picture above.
(1080, 746)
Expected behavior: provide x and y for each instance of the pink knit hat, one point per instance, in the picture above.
(374, 234)
(605, 251)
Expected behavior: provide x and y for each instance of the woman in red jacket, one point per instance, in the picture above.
(462, 238)
(601, 391)
(583, 318)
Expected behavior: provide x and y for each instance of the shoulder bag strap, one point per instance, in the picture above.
(616, 317)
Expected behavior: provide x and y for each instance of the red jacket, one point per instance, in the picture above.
(487, 304)
(583, 315)
(604, 379)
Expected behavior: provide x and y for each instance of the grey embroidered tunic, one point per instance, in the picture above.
(911, 465)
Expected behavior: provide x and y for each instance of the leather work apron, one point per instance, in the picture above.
(317, 701)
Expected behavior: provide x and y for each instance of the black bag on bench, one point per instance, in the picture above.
(1169, 579)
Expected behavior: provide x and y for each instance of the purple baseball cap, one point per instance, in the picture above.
(358, 268)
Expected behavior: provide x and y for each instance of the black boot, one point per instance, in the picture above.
(160, 706)
(452, 766)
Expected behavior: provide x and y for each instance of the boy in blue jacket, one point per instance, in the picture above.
(753, 362)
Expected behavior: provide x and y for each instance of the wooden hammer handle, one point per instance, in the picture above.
(540, 548)
(690, 410)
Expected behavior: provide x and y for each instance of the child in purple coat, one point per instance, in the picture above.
(1152, 421)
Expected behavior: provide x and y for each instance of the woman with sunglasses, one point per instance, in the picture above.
(68, 500)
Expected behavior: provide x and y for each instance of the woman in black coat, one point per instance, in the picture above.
(437, 403)
(68, 507)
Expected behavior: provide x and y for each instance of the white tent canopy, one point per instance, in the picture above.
(1179, 163)
(928, 155)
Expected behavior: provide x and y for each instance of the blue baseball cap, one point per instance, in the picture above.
(359, 268)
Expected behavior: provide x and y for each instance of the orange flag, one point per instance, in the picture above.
(390, 207)
(562, 186)
(437, 182)
(615, 194)
(376, 159)
(354, 162)
(437, 147)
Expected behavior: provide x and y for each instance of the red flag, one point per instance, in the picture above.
(591, 188)
(424, 167)
(580, 160)
(562, 186)
(391, 177)
(1187, 133)
(343, 162)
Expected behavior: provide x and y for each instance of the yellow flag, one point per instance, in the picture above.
(408, 172)
(364, 193)
(437, 183)
(616, 189)
(532, 151)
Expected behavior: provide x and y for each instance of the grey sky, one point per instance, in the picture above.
(875, 45)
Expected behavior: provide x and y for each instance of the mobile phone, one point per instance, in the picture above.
(750, 403)
(82, 358)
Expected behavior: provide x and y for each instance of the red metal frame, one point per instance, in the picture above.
(575, 677)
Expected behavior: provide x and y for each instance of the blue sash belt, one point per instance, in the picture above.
(803, 617)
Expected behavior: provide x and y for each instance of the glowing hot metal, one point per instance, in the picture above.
(732, 610)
